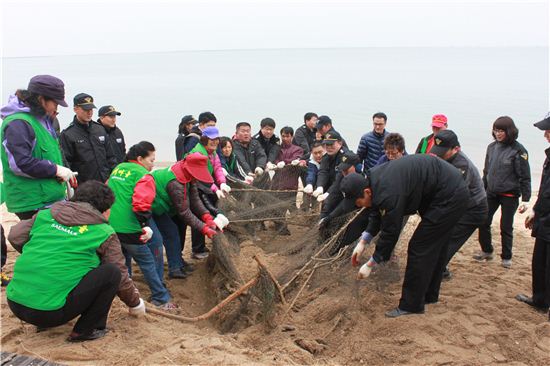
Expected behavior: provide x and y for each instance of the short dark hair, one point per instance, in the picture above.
(142, 148)
(317, 144)
(224, 140)
(267, 122)
(380, 115)
(507, 124)
(97, 194)
(287, 130)
(205, 117)
(310, 115)
(241, 124)
(395, 140)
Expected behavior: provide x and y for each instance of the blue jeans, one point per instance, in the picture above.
(171, 239)
(149, 258)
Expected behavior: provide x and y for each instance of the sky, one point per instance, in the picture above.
(44, 28)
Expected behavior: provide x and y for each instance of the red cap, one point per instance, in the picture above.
(196, 164)
(439, 120)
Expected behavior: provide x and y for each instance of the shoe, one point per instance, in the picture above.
(94, 334)
(529, 301)
(398, 312)
(482, 256)
(507, 263)
(5, 279)
(447, 275)
(187, 267)
(284, 231)
(177, 274)
(202, 255)
(168, 306)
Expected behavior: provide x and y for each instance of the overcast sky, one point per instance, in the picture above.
(42, 27)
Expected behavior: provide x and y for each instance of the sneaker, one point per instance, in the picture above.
(202, 255)
(529, 301)
(187, 267)
(94, 334)
(482, 256)
(5, 279)
(397, 312)
(168, 306)
(507, 263)
(177, 274)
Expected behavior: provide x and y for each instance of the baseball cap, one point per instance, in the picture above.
(211, 132)
(349, 159)
(331, 137)
(544, 124)
(108, 110)
(188, 119)
(48, 86)
(352, 187)
(444, 141)
(322, 121)
(84, 101)
(439, 120)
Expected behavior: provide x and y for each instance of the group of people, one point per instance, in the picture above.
(82, 195)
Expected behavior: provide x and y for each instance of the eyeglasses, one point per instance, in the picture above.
(496, 130)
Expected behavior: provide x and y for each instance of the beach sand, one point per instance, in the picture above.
(476, 322)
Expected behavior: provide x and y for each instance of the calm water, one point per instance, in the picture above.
(472, 86)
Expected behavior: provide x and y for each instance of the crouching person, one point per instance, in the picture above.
(71, 265)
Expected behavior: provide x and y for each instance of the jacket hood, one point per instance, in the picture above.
(312, 161)
(76, 213)
(14, 106)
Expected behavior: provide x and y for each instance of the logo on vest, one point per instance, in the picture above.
(64, 229)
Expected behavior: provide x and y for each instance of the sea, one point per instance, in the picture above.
(471, 86)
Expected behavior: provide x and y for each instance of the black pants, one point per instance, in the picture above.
(509, 206)
(91, 299)
(541, 273)
(468, 223)
(3, 249)
(198, 242)
(26, 215)
(427, 253)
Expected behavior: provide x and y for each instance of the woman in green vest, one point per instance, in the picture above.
(71, 264)
(32, 163)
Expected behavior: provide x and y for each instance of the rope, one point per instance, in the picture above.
(265, 190)
(268, 219)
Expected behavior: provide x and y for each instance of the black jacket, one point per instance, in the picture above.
(251, 156)
(117, 142)
(327, 171)
(422, 183)
(507, 170)
(88, 151)
(472, 178)
(541, 224)
(304, 137)
(271, 146)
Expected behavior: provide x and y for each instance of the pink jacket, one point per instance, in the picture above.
(218, 176)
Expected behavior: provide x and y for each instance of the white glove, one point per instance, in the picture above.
(70, 191)
(220, 194)
(138, 310)
(281, 164)
(221, 221)
(270, 166)
(147, 234)
(358, 252)
(322, 197)
(295, 162)
(523, 207)
(248, 179)
(225, 188)
(308, 189)
(258, 171)
(225, 173)
(318, 191)
(66, 174)
(366, 269)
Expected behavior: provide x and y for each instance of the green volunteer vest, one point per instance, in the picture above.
(54, 261)
(201, 149)
(122, 181)
(27, 194)
(162, 203)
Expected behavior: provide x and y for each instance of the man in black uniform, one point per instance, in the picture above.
(305, 134)
(447, 147)
(413, 183)
(86, 145)
(330, 161)
(538, 220)
(324, 126)
(107, 118)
